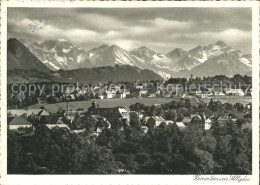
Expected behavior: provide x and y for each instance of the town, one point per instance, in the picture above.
(136, 91)
(207, 114)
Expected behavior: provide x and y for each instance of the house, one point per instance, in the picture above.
(197, 120)
(110, 94)
(61, 125)
(97, 131)
(154, 121)
(198, 93)
(186, 120)
(248, 107)
(219, 94)
(143, 92)
(124, 94)
(69, 89)
(77, 131)
(70, 97)
(152, 95)
(205, 95)
(144, 129)
(37, 113)
(246, 126)
(225, 118)
(207, 122)
(195, 117)
(235, 92)
(139, 87)
(137, 114)
(63, 120)
(101, 96)
(18, 122)
(16, 112)
(111, 114)
(180, 125)
(96, 118)
(169, 122)
(79, 93)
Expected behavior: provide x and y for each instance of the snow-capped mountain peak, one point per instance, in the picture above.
(63, 54)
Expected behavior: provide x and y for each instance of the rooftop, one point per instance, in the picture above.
(19, 121)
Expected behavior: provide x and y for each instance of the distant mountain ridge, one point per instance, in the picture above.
(63, 54)
(84, 75)
(20, 57)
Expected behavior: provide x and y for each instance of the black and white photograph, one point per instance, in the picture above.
(128, 90)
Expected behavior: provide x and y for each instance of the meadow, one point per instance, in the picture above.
(105, 103)
(230, 99)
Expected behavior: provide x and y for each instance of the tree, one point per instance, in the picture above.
(51, 99)
(136, 107)
(239, 107)
(208, 143)
(187, 103)
(134, 122)
(180, 117)
(204, 162)
(117, 124)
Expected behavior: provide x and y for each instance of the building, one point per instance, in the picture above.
(223, 119)
(219, 94)
(61, 125)
(246, 126)
(110, 94)
(154, 121)
(111, 114)
(235, 92)
(143, 92)
(139, 87)
(144, 129)
(37, 113)
(186, 120)
(169, 122)
(152, 95)
(69, 89)
(97, 131)
(95, 118)
(17, 123)
(136, 114)
(207, 124)
(180, 125)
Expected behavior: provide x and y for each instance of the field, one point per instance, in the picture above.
(73, 106)
(230, 99)
(104, 103)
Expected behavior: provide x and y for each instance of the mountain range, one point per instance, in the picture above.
(213, 59)
(25, 67)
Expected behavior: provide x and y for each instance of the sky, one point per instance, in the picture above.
(160, 29)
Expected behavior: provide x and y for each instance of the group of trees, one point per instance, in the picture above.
(218, 81)
(222, 79)
(177, 110)
(163, 150)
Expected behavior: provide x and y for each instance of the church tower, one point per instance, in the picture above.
(94, 104)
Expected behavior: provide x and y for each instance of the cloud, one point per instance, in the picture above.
(230, 35)
(42, 30)
(162, 29)
(101, 22)
(171, 24)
